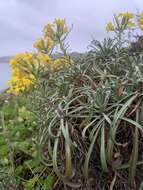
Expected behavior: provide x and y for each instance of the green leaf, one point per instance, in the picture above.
(31, 183)
(48, 183)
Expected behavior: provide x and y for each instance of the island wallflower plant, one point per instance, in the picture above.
(26, 66)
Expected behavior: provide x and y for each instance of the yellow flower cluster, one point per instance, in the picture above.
(26, 66)
(126, 15)
(52, 34)
(126, 18)
(21, 78)
(109, 27)
(140, 21)
(49, 31)
(61, 26)
(20, 84)
(43, 59)
(126, 21)
(61, 62)
(57, 29)
(44, 44)
(22, 65)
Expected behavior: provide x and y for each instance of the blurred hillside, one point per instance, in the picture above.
(5, 59)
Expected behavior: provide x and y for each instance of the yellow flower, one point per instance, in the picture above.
(62, 62)
(60, 22)
(48, 43)
(130, 25)
(49, 31)
(18, 85)
(61, 25)
(140, 23)
(13, 62)
(109, 27)
(21, 79)
(127, 15)
(59, 28)
(44, 58)
(24, 57)
(39, 44)
(45, 44)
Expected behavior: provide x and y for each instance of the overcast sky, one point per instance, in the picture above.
(21, 21)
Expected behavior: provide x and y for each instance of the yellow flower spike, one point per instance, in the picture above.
(61, 25)
(49, 31)
(39, 44)
(44, 44)
(60, 22)
(109, 27)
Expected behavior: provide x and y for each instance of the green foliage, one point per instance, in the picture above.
(19, 165)
(137, 47)
(81, 111)
(79, 123)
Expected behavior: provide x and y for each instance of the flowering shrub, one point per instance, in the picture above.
(26, 67)
(77, 124)
(125, 21)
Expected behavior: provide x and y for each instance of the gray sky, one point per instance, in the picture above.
(21, 21)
